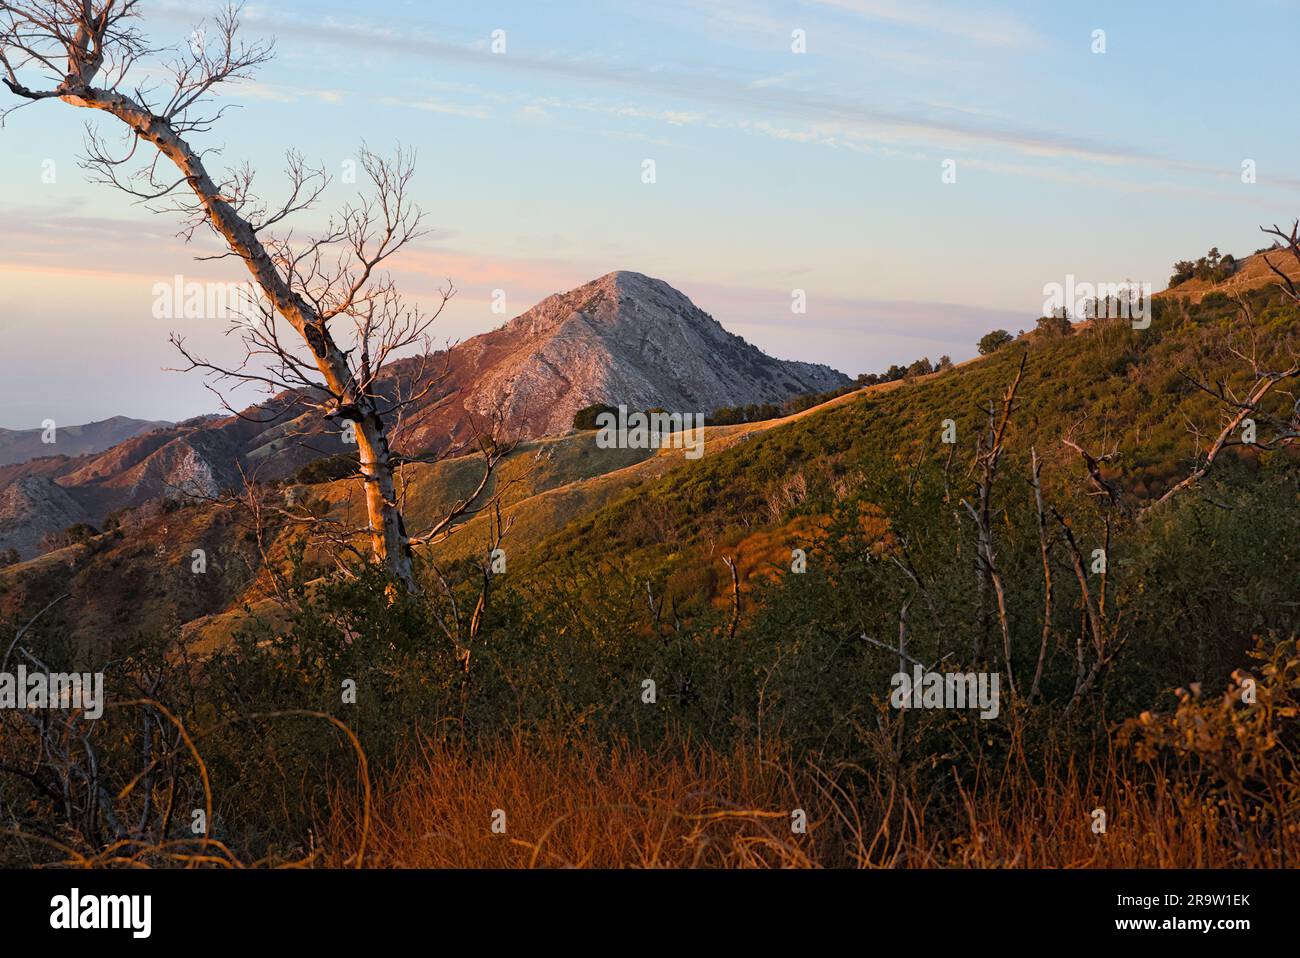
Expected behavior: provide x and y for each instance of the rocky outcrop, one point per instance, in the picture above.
(33, 507)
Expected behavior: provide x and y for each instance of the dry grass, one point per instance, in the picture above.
(580, 804)
(1252, 273)
(577, 804)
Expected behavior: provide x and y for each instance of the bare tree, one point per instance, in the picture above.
(988, 454)
(730, 562)
(1243, 406)
(348, 319)
(1101, 486)
(1035, 471)
(1104, 633)
(1292, 246)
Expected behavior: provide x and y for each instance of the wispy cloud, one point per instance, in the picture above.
(985, 26)
(697, 92)
(281, 93)
(437, 106)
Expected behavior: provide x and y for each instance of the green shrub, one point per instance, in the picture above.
(992, 342)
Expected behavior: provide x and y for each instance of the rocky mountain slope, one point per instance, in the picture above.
(33, 507)
(627, 338)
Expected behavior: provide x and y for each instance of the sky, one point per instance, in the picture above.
(919, 170)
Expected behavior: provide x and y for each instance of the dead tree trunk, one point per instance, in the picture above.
(387, 532)
(988, 453)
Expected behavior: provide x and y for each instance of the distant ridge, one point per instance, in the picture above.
(20, 445)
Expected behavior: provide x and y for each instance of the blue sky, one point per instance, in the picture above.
(775, 170)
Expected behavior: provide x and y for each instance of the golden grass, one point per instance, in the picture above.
(582, 804)
(577, 804)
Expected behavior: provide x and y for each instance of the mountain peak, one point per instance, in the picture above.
(626, 282)
(629, 283)
(625, 277)
(621, 294)
(628, 338)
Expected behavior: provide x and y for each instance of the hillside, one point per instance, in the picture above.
(1109, 387)
(1252, 272)
(572, 504)
(199, 457)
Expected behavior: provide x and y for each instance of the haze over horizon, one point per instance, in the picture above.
(531, 164)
